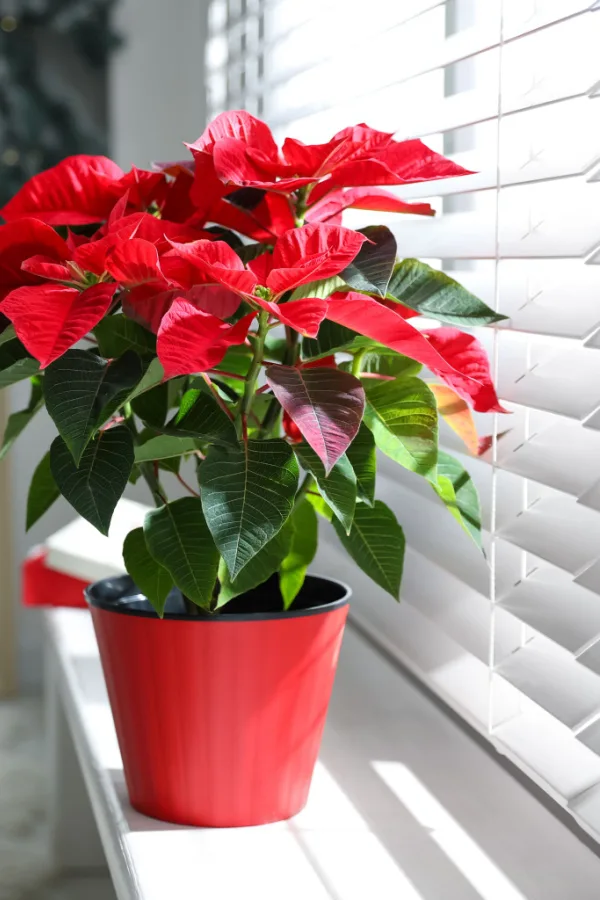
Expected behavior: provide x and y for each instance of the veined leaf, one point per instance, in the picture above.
(247, 494)
(18, 421)
(82, 391)
(456, 489)
(376, 544)
(320, 506)
(305, 534)
(382, 361)
(153, 375)
(151, 578)
(15, 363)
(402, 415)
(43, 491)
(152, 406)
(338, 488)
(371, 270)
(437, 296)
(9, 334)
(326, 404)
(163, 447)
(200, 416)
(178, 538)
(333, 337)
(116, 334)
(363, 459)
(259, 569)
(95, 488)
(320, 289)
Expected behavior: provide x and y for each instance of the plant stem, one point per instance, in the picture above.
(357, 362)
(307, 483)
(217, 396)
(251, 377)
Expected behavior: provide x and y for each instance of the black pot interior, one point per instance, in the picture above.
(120, 594)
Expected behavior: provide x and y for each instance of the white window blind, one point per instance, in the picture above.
(511, 90)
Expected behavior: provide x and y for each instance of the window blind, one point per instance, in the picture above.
(510, 89)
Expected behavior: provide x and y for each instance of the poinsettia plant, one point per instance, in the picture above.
(215, 309)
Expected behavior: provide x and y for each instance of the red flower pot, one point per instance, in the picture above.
(219, 718)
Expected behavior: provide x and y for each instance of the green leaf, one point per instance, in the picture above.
(456, 489)
(320, 506)
(82, 391)
(362, 457)
(258, 570)
(201, 417)
(163, 447)
(247, 493)
(150, 577)
(321, 289)
(43, 491)
(9, 334)
(117, 334)
(338, 488)
(333, 337)
(376, 544)
(15, 363)
(95, 488)
(18, 421)
(437, 296)
(152, 406)
(178, 538)
(153, 375)
(402, 415)
(382, 361)
(370, 271)
(292, 571)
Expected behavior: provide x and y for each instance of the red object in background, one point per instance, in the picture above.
(220, 721)
(42, 586)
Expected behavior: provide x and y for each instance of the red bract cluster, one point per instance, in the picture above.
(152, 243)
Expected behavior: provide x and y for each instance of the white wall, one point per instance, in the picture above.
(157, 96)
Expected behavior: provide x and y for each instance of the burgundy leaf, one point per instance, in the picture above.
(326, 404)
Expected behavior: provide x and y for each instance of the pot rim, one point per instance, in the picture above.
(96, 602)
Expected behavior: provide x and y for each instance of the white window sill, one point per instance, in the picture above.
(404, 805)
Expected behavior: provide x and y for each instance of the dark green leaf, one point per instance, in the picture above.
(456, 489)
(338, 488)
(247, 494)
(95, 488)
(117, 334)
(259, 569)
(333, 337)
(371, 270)
(437, 296)
(8, 334)
(82, 391)
(150, 577)
(152, 406)
(376, 544)
(15, 363)
(363, 459)
(153, 375)
(43, 491)
(305, 534)
(402, 415)
(178, 538)
(18, 421)
(200, 416)
(163, 447)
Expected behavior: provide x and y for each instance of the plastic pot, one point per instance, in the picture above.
(219, 718)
